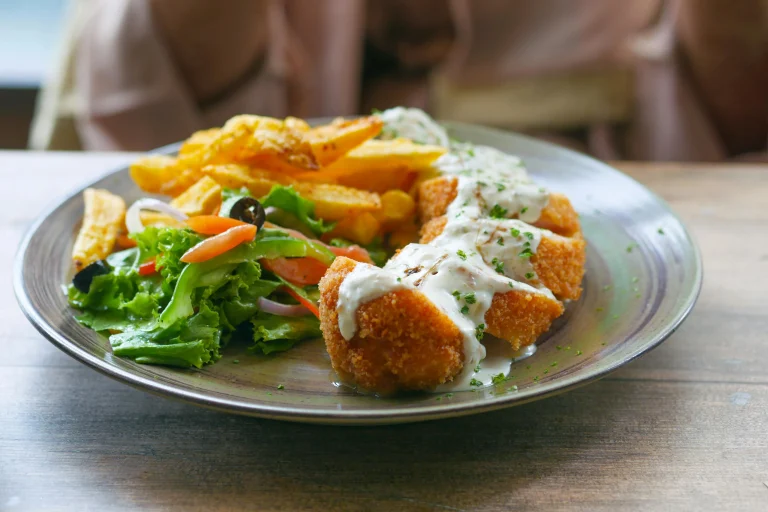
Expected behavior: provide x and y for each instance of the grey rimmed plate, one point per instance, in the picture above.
(643, 276)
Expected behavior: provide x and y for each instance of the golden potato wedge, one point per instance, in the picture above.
(103, 220)
(198, 140)
(259, 182)
(162, 174)
(202, 198)
(332, 141)
(378, 156)
(334, 202)
(397, 207)
(361, 228)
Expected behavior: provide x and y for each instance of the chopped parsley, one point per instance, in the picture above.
(660, 231)
(536, 378)
(558, 347)
(525, 209)
(482, 184)
(456, 294)
(579, 352)
(500, 241)
(515, 232)
(499, 378)
(477, 368)
(448, 395)
(280, 386)
(464, 310)
(236, 361)
(528, 235)
(497, 212)
(399, 279)
(526, 253)
(470, 298)
(530, 275)
(461, 254)
(500, 187)
(554, 363)
(545, 371)
(511, 284)
(480, 331)
(498, 265)
(475, 382)
(471, 152)
(631, 246)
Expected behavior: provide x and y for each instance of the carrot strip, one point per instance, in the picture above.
(219, 244)
(212, 224)
(304, 302)
(299, 271)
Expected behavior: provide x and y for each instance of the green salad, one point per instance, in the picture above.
(157, 309)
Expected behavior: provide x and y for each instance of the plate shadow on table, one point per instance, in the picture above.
(150, 451)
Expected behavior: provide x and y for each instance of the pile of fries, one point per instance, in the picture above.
(365, 185)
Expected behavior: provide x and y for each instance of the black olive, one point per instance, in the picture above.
(84, 278)
(249, 210)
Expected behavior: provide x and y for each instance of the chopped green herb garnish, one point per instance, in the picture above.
(470, 298)
(499, 378)
(536, 378)
(280, 386)
(515, 232)
(523, 210)
(546, 371)
(399, 279)
(530, 275)
(511, 284)
(513, 388)
(448, 395)
(500, 241)
(500, 187)
(631, 246)
(456, 294)
(498, 265)
(236, 361)
(471, 152)
(660, 231)
(497, 212)
(554, 363)
(558, 347)
(635, 279)
(482, 184)
(475, 382)
(480, 331)
(439, 398)
(477, 368)
(464, 310)
(462, 254)
(579, 352)
(528, 235)
(526, 253)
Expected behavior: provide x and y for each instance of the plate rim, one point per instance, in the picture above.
(342, 416)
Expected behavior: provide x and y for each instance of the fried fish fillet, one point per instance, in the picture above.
(558, 261)
(436, 194)
(404, 342)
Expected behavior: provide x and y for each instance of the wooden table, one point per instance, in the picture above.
(683, 428)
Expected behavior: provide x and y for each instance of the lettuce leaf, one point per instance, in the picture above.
(272, 333)
(290, 202)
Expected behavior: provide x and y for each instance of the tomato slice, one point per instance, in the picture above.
(148, 268)
(219, 244)
(212, 224)
(299, 271)
(353, 252)
(304, 302)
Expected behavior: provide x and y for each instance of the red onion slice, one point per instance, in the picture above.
(275, 308)
(133, 215)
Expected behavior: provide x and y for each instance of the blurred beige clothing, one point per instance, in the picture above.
(559, 64)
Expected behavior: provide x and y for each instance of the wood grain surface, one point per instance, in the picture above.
(683, 428)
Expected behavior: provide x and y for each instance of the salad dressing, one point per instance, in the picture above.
(485, 248)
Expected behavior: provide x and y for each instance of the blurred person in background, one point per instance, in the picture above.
(642, 79)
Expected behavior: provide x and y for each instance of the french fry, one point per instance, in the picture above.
(103, 219)
(257, 181)
(361, 228)
(334, 202)
(331, 142)
(202, 198)
(397, 207)
(386, 155)
(198, 140)
(261, 141)
(162, 174)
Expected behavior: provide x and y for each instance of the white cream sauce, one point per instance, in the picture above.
(484, 249)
